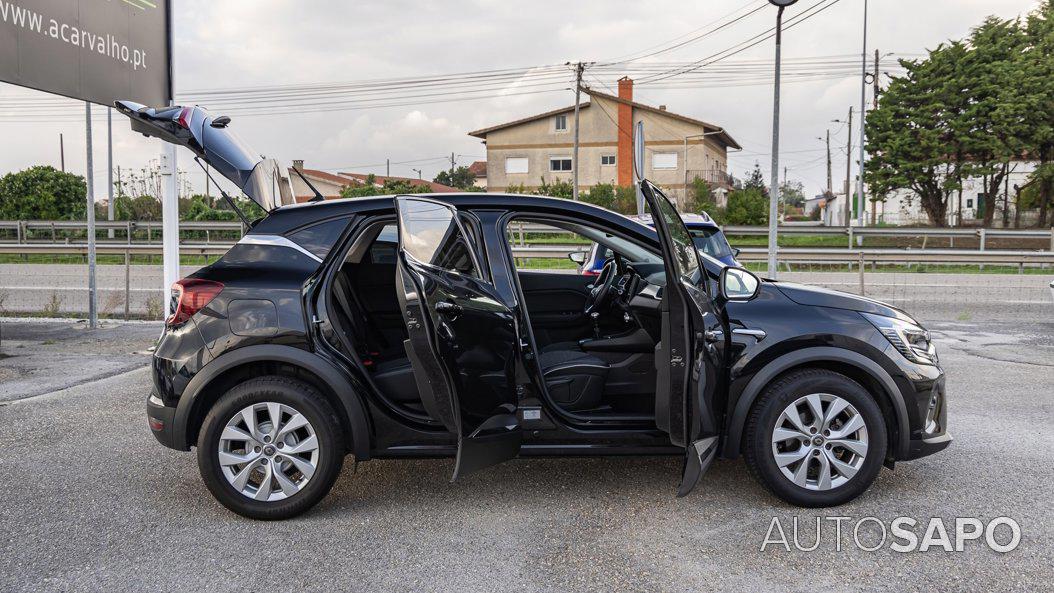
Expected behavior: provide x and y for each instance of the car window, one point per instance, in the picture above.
(685, 256)
(320, 238)
(430, 234)
(711, 242)
(384, 248)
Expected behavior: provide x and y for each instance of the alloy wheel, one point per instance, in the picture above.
(819, 441)
(268, 451)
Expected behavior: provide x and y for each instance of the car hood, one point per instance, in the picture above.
(823, 297)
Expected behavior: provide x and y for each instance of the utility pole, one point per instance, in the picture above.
(829, 188)
(451, 168)
(848, 169)
(874, 98)
(208, 196)
(863, 111)
(62, 153)
(774, 191)
(579, 68)
(388, 167)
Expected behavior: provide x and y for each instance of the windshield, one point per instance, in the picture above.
(711, 242)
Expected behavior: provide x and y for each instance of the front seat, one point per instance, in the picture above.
(574, 379)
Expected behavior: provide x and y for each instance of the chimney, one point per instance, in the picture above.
(298, 164)
(624, 156)
(662, 108)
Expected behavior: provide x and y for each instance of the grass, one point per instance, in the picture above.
(759, 266)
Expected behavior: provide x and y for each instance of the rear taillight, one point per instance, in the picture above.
(189, 295)
(184, 118)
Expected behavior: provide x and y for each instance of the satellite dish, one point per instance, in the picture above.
(638, 151)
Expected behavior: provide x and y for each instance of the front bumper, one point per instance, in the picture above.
(930, 426)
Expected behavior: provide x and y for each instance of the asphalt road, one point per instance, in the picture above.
(90, 502)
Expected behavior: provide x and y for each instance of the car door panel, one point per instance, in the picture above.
(557, 304)
(687, 365)
(462, 341)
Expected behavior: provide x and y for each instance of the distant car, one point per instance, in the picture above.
(706, 234)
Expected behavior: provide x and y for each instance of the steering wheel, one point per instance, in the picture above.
(602, 291)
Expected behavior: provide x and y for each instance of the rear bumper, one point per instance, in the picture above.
(161, 420)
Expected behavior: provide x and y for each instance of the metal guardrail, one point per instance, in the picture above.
(518, 230)
(786, 254)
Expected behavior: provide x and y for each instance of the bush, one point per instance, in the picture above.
(43, 193)
(747, 206)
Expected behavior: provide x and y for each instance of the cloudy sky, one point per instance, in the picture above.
(238, 44)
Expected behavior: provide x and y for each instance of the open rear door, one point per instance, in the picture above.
(686, 362)
(463, 342)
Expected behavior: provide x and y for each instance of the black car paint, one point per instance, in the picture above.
(192, 360)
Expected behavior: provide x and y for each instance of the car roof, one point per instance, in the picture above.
(698, 221)
(294, 216)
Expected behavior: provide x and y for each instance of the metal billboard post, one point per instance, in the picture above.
(170, 201)
(93, 315)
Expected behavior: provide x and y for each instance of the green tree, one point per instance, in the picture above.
(42, 193)
(793, 193)
(756, 180)
(1037, 87)
(389, 187)
(748, 206)
(461, 179)
(914, 137)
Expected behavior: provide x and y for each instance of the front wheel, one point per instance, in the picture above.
(270, 448)
(815, 438)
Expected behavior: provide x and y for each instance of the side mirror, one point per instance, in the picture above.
(735, 252)
(738, 284)
(220, 122)
(579, 257)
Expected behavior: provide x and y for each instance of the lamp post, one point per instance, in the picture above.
(774, 190)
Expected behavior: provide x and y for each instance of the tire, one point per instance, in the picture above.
(325, 452)
(797, 389)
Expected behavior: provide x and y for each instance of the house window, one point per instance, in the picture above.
(560, 123)
(607, 159)
(969, 202)
(559, 163)
(516, 164)
(664, 160)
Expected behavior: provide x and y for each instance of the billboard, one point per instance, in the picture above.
(94, 50)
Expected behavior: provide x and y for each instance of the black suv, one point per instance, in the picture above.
(400, 326)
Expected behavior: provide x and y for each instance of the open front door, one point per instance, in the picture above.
(686, 362)
(463, 342)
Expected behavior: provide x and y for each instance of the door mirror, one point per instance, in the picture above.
(735, 252)
(579, 257)
(738, 284)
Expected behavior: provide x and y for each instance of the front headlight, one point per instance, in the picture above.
(909, 339)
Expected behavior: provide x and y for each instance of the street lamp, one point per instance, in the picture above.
(774, 191)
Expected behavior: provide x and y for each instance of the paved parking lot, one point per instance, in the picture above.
(91, 502)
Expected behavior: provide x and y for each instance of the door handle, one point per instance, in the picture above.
(448, 308)
(757, 334)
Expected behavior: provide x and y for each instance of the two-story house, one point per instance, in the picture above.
(677, 148)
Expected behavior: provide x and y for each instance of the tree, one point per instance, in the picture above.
(43, 193)
(756, 181)
(389, 187)
(793, 193)
(1037, 87)
(462, 178)
(747, 206)
(914, 135)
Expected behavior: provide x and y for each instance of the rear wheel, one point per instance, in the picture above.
(815, 438)
(270, 448)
